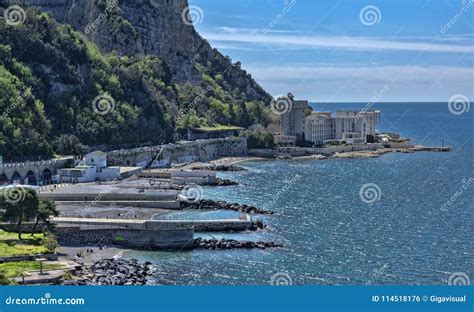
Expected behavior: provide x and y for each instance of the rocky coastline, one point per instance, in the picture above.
(112, 272)
(220, 168)
(223, 182)
(213, 244)
(221, 205)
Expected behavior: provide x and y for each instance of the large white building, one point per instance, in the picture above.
(292, 121)
(351, 127)
(92, 168)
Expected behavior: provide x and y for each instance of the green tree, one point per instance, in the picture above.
(46, 210)
(20, 205)
(258, 139)
(68, 144)
(5, 281)
(50, 242)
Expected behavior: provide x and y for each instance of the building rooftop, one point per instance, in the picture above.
(100, 153)
(217, 128)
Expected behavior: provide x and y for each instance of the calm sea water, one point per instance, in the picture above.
(333, 237)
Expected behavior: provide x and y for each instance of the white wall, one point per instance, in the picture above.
(107, 174)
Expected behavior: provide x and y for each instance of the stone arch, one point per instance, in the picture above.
(31, 176)
(3, 179)
(16, 177)
(46, 176)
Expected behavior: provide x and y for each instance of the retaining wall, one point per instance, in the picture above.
(146, 196)
(202, 150)
(134, 238)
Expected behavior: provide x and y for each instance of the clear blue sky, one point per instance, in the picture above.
(326, 50)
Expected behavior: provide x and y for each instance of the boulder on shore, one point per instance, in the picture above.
(113, 272)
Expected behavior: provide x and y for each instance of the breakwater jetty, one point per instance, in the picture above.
(221, 168)
(232, 244)
(222, 205)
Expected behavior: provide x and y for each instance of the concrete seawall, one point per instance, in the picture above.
(133, 238)
(172, 205)
(158, 234)
(150, 199)
(197, 225)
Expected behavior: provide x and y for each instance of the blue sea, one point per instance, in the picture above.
(418, 229)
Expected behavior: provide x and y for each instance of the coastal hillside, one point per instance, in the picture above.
(135, 77)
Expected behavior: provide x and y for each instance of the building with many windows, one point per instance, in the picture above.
(352, 127)
(292, 121)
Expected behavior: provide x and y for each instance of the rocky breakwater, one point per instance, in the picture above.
(213, 244)
(223, 182)
(220, 168)
(113, 272)
(210, 204)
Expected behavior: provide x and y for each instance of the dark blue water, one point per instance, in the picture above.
(331, 236)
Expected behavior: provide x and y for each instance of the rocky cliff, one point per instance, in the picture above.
(155, 27)
(102, 74)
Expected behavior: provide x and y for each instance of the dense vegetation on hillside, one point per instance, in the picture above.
(57, 89)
